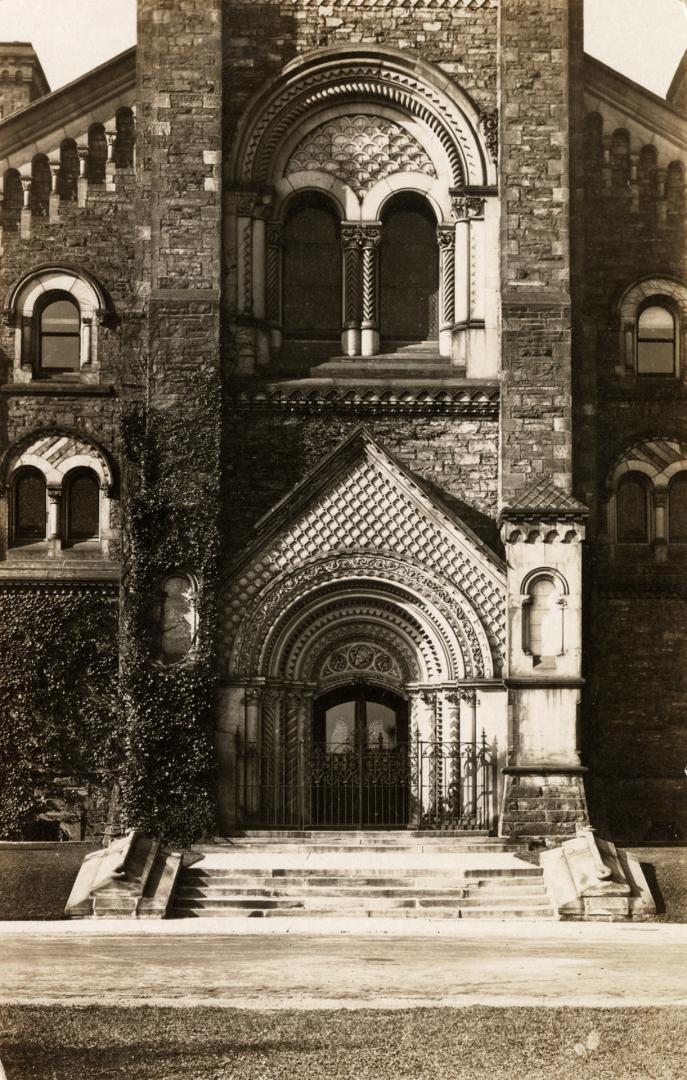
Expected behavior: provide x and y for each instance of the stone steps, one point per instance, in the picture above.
(349, 875)
(543, 911)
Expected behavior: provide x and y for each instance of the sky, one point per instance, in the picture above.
(643, 39)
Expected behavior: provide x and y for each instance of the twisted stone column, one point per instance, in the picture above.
(351, 240)
(371, 236)
(273, 283)
(446, 237)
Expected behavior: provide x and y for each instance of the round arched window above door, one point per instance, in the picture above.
(408, 272)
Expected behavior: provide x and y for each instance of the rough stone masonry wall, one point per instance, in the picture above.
(261, 36)
(539, 46)
(98, 239)
(635, 655)
(267, 455)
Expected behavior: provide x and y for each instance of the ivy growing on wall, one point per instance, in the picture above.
(58, 696)
(168, 781)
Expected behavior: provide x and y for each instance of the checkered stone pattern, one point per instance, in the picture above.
(365, 512)
(360, 150)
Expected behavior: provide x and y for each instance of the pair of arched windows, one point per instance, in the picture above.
(407, 273)
(635, 510)
(79, 515)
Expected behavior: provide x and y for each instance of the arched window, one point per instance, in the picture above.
(41, 184)
(97, 154)
(176, 618)
(12, 202)
(69, 171)
(408, 272)
(675, 189)
(632, 510)
(82, 507)
(58, 334)
(677, 509)
(312, 272)
(620, 160)
(543, 620)
(29, 505)
(656, 340)
(646, 178)
(126, 138)
(593, 152)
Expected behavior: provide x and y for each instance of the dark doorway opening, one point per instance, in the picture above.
(359, 766)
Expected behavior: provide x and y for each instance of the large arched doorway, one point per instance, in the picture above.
(359, 766)
(408, 273)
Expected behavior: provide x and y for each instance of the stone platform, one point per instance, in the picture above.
(367, 874)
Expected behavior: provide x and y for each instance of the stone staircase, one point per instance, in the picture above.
(362, 875)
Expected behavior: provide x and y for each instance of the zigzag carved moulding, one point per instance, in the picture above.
(381, 4)
(363, 78)
(349, 399)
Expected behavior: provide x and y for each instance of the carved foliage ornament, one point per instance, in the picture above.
(489, 123)
(361, 659)
(360, 150)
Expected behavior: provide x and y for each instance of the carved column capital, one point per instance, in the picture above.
(371, 235)
(446, 236)
(466, 207)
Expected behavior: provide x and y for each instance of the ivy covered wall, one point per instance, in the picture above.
(60, 724)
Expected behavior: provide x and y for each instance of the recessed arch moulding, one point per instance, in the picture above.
(359, 125)
(369, 581)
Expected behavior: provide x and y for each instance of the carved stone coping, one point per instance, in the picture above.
(434, 399)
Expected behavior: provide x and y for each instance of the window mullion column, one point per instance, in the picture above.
(351, 240)
(371, 234)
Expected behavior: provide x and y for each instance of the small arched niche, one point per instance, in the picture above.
(176, 618)
(543, 621)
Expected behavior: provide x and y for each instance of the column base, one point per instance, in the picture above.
(543, 803)
(369, 342)
(350, 341)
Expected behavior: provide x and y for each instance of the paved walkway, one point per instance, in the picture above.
(352, 965)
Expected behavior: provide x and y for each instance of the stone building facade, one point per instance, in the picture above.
(400, 288)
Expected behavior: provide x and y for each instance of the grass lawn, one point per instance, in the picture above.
(69, 1043)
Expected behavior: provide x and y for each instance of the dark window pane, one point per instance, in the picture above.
(312, 274)
(677, 510)
(632, 522)
(656, 342)
(30, 508)
(60, 336)
(60, 317)
(339, 723)
(84, 509)
(409, 273)
(60, 353)
(381, 726)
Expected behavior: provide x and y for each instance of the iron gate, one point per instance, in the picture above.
(428, 785)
